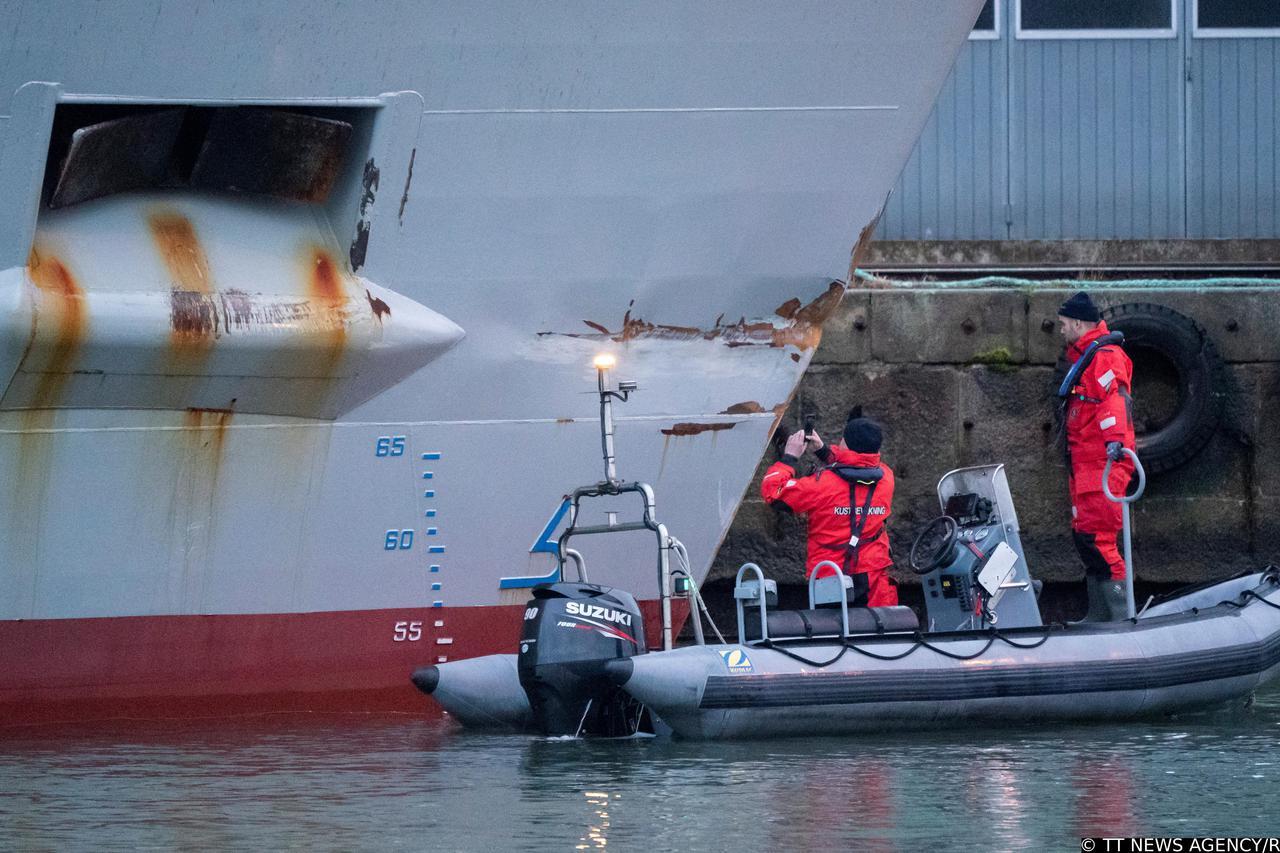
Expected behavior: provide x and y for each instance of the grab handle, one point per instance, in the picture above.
(1124, 501)
(1138, 469)
(844, 596)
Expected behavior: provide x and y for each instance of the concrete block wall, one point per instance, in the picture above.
(962, 376)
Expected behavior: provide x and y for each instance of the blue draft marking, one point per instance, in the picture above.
(435, 587)
(546, 543)
(431, 513)
(429, 493)
(432, 531)
(437, 604)
(434, 568)
(427, 475)
(435, 549)
(431, 456)
(529, 580)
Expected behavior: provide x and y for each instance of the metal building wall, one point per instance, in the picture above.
(1095, 150)
(1233, 166)
(1093, 138)
(956, 181)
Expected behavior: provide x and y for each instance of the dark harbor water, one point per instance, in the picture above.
(361, 783)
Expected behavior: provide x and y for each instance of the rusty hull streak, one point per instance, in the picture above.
(803, 328)
(176, 239)
(58, 326)
(208, 430)
(199, 448)
(193, 309)
(696, 429)
(326, 287)
(750, 407)
(61, 292)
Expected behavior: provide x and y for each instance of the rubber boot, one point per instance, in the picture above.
(1097, 611)
(1115, 599)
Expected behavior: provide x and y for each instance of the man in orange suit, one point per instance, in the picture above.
(1099, 420)
(847, 502)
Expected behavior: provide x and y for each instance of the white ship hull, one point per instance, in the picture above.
(678, 183)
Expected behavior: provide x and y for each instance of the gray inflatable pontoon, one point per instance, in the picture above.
(835, 668)
(1198, 650)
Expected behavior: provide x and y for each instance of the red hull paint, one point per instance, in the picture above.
(159, 667)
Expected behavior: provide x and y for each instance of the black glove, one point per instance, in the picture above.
(1115, 451)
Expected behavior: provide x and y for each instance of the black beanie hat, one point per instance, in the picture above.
(1080, 307)
(862, 435)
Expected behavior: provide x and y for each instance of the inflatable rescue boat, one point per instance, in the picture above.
(982, 653)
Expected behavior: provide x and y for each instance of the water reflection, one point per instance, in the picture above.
(360, 783)
(996, 792)
(597, 834)
(834, 801)
(1104, 789)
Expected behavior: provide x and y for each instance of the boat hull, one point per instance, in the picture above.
(1106, 672)
(158, 667)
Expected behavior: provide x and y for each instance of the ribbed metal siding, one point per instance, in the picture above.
(1095, 151)
(1098, 139)
(954, 186)
(1234, 138)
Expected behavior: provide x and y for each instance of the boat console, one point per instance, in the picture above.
(974, 573)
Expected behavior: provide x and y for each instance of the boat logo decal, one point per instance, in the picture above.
(574, 608)
(736, 660)
(600, 628)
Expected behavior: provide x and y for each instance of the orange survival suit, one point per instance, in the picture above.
(825, 496)
(1099, 411)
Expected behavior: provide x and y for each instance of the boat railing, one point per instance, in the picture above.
(646, 522)
(831, 588)
(759, 590)
(579, 561)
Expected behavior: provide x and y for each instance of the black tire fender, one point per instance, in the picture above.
(1201, 378)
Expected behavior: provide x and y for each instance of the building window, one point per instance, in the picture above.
(988, 23)
(1096, 19)
(1236, 19)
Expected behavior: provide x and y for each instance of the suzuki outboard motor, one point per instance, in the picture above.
(571, 630)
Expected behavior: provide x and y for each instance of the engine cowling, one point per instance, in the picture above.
(570, 631)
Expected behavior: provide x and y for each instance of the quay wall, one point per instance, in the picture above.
(962, 375)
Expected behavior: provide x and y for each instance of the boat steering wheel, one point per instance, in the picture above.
(935, 546)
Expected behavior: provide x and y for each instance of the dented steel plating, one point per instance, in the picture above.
(802, 326)
(194, 303)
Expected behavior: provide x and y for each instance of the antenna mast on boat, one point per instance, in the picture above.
(603, 362)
